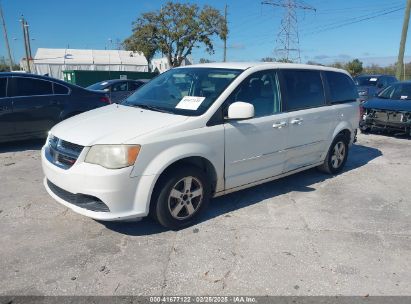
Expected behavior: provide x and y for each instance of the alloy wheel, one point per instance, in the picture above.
(185, 198)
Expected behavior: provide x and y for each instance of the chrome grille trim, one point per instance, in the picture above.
(62, 153)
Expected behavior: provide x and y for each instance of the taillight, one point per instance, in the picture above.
(362, 111)
(105, 99)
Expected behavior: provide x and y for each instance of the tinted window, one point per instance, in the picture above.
(60, 89)
(3, 84)
(132, 86)
(119, 87)
(366, 81)
(342, 88)
(261, 90)
(304, 89)
(30, 86)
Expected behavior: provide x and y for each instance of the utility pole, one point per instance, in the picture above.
(6, 38)
(288, 41)
(23, 25)
(225, 33)
(400, 62)
(28, 39)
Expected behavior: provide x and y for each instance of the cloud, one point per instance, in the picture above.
(321, 57)
(344, 56)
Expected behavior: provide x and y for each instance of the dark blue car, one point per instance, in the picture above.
(370, 85)
(31, 104)
(390, 109)
(118, 89)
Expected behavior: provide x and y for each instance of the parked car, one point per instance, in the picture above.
(390, 109)
(370, 85)
(30, 105)
(199, 132)
(118, 89)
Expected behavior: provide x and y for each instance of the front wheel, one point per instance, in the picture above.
(336, 156)
(182, 195)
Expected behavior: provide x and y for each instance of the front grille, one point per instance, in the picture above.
(88, 202)
(62, 153)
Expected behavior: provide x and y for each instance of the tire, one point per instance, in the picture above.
(180, 196)
(365, 129)
(336, 156)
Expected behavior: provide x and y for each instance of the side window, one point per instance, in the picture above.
(342, 88)
(3, 87)
(30, 87)
(261, 90)
(119, 87)
(60, 89)
(132, 86)
(304, 89)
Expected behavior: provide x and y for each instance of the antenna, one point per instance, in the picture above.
(288, 42)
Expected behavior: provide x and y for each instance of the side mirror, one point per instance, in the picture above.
(240, 110)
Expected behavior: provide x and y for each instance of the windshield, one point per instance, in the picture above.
(366, 81)
(184, 91)
(397, 91)
(98, 86)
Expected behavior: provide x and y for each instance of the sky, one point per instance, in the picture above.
(330, 33)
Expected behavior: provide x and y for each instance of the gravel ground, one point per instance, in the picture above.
(307, 234)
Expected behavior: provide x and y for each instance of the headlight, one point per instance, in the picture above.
(113, 156)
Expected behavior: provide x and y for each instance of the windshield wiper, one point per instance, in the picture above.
(149, 107)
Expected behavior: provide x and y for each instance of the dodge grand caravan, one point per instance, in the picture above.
(199, 132)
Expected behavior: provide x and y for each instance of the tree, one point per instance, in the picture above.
(354, 67)
(175, 30)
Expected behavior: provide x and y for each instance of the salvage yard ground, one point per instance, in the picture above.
(308, 234)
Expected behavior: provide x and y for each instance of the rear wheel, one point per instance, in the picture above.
(336, 156)
(181, 197)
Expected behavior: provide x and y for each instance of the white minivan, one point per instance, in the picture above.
(199, 132)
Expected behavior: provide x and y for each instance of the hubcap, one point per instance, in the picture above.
(338, 155)
(185, 198)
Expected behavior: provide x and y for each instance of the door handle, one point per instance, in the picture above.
(279, 125)
(296, 121)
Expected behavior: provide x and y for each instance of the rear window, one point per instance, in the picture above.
(342, 88)
(31, 87)
(3, 85)
(304, 89)
(366, 81)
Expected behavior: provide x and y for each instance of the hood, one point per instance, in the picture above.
(113, 124)
(388, 104)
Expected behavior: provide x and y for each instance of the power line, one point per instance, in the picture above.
(353, 22)
(288, 42)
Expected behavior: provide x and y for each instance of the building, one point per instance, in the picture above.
(161, 65)
(54, 61)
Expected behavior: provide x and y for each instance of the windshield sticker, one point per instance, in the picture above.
(404, 97)
(190, 103)
(373, 79)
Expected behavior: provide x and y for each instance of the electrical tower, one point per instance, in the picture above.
(288, 42)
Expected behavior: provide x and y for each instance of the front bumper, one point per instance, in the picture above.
(385, 123)
(124, 196)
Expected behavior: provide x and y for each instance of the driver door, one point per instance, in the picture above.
(254, 148)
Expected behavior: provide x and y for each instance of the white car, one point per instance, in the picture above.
(199, 132)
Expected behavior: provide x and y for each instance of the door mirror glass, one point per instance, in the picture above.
(240, 110)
